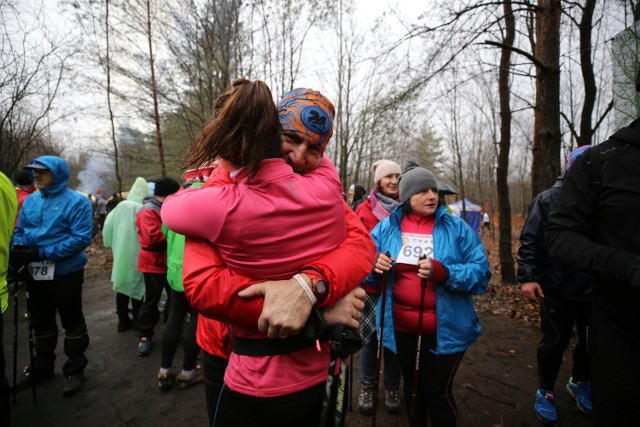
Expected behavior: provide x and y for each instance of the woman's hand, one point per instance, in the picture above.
(432, 270)
(424, 268)
(383, 263)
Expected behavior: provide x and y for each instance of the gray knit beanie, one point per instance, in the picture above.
(414, 180)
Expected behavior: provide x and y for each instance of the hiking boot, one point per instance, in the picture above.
(144, 346)
(545, 407)
(392, 400)
(186, 382)
(581, 392)
(124, 325)
(166, 380)
(27, 378)
(72, 384)
(365, 401)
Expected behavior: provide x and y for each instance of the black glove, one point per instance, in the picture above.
(22, 255)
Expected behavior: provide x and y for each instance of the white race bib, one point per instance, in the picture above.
(414, 246)
(42, 270)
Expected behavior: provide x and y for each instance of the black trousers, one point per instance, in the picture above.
(557, 319)
(149, 314)
(300, 409)
(213, 368)
(177, 323)
(614, 357)
(63, 295)
(122, 307)
(434, 398)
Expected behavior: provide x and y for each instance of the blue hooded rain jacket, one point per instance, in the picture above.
(56, 220)
(459, 248)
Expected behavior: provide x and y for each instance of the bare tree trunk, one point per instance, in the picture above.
(156, 113)
(116, 159)
(547, 139)
(590, 90)
(502, 173)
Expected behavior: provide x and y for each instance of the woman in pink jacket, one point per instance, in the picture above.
(269, 223)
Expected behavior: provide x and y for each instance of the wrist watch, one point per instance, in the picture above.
(318, 286)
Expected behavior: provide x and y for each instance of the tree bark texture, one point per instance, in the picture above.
(546, 133)
(502, 173)
(586, 65)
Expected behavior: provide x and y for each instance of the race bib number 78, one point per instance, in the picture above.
(414, 246)
(42, 270)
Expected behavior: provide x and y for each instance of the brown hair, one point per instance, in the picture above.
(244, 129)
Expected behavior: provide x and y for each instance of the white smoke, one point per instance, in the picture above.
(97, 168)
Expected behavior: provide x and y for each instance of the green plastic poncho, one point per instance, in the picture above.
(119, 233)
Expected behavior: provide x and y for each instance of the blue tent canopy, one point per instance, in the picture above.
(471, 214)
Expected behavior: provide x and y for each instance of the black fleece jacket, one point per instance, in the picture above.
(594, 227)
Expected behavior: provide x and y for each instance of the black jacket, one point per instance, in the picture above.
(535, 265)
(594, 226)
(359, 196)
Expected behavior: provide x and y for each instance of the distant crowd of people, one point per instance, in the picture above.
(274, 280)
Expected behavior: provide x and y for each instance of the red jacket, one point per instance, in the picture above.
(152, 257)
(212, 288)
(370, 221)
(366, 216)
(22, 194)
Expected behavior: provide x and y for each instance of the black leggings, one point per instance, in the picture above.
(292, 410)
(213, 368)
(179, 307)
(557, 318)
(435, 380)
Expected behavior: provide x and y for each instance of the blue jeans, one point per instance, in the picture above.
(368, 365)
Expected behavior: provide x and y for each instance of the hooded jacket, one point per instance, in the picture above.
(457, 247)
(535, 265)
(56, 220)
(311, 207)
(120, 234)
(152, 257)
(8, 212)
(175, 255)
(593, 225)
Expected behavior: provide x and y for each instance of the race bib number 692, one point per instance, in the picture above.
(414, 246)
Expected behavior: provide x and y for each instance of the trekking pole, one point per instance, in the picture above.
(376, 383)
(416, 368)
(350, 367)
(340, 413)
(16, 299)
(31, 349)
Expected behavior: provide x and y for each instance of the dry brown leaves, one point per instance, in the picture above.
(505, 299)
